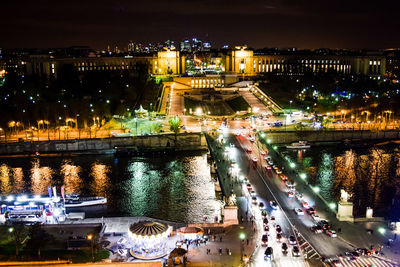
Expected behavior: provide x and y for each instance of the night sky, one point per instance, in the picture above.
(259, 23)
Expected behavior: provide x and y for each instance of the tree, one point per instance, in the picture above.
(38, 238)
(175, 126)
(19, 234)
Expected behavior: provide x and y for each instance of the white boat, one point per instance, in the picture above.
(75, 201)
(299, 145)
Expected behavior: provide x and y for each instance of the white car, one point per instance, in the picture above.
(299, 211)
(122, 252)
(253, 193)
(122, 241)
(316, 217)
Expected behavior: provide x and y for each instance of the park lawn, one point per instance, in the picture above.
(282, 97)
(238, 104)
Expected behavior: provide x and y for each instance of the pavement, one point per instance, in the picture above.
(254, 103)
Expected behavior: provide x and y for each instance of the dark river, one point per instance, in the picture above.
(174, 188)
(371, 174)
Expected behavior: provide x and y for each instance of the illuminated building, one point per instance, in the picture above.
(239, 60)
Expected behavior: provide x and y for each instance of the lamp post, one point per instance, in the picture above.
(90, 238)
(136, 126)
(242, 236)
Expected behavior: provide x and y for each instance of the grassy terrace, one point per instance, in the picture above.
(238, 104)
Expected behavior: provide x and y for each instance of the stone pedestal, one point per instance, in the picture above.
(231, 215)
(345, 211)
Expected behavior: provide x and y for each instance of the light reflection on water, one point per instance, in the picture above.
(172, 188)
(370, 174)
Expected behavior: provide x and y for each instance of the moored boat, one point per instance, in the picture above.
(299, 145)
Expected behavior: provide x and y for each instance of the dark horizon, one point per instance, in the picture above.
(305, 24)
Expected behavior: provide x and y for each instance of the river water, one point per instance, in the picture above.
(371, 174)
(174, 188)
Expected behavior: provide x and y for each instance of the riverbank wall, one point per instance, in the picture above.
(285, 137)
(182, 142)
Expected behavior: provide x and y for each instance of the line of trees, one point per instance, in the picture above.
(77, 95)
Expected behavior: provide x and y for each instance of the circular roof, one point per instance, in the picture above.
(148, 228)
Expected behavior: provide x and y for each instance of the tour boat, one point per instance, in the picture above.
(299, 145)
(76, 201)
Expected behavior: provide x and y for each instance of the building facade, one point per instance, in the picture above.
(241, 61)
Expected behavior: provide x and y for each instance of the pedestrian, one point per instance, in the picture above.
(247, 241)
(227, 251)
(220, 239)
(220, 251)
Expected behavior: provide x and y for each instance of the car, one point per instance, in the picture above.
(268, 253)
(337, 263)
(355, 254)
(266, 228)
(264, 213)
(254, 200)
(268, 168)
(283, 177)
(249, 187)
(253, 193)
(270, 163)
(264, 240)
(331, 233)
(273, 205)
(122, 241)
(249, 150)
(122, 252)
(252, 139)
(324, 224)
(278, 237)
(284, 248)
(311, 211)
(289, 185)
(305, 205)
(292, 240)
(278, 171)
(299, 196)
(263, 153)
(267, 158)
(275, 167)
(265, 221)
(291, 194)
(272, 219)
(299, 211)
(296, 251)
(261, 205)
(350, 256)
(364, 251)
(254, 159)
(316, 229)
(316, 217)
(278, 229)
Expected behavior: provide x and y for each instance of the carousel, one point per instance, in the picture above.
(149, 240)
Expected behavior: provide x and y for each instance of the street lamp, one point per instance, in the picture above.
(303, 176)
(90, 238)
(242, 237)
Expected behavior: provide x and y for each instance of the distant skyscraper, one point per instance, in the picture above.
(196, 44)
(206, 46)
(185, 46)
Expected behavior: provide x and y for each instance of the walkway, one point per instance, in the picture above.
(254, 102)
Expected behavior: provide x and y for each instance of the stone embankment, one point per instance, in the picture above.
(160, 142)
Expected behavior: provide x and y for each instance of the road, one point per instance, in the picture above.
(268, 186)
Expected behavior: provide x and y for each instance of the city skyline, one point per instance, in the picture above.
(258, 24)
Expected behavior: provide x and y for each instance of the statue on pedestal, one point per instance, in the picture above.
(344, 196)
